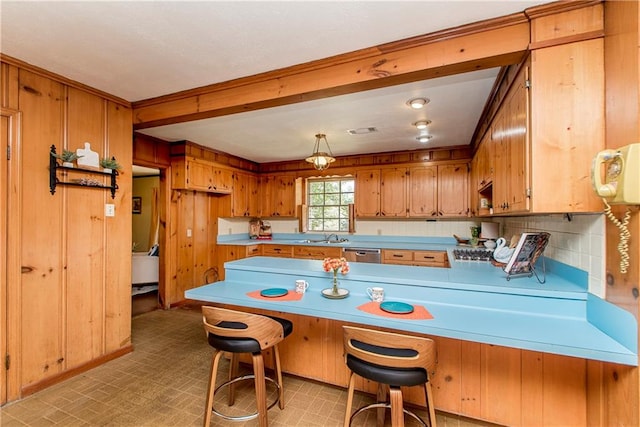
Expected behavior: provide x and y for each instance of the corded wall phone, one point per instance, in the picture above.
(621, 186)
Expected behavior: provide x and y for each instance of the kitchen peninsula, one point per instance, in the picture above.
(489, 331)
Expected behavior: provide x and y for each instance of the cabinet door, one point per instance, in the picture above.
(278, 196)
(199, 175)
(518, 141)
(453, 193)
(244, 195)
(367, 197)
(393, 192)
(423, 191)
(501, 159)
(222, 179)
(431, 258)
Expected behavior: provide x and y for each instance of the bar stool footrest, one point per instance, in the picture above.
(387, 406)
(250, 416)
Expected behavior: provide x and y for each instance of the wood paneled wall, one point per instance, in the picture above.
(71, 304)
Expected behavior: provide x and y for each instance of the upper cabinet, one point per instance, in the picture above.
(279, 195)
(200, 175)
(413, 192)
(536, 155)
(244, 197)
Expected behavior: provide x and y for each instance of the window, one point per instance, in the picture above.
(328, 202)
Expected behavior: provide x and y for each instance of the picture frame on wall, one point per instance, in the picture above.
(136, 205)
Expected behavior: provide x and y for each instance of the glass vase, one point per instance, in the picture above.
(334, 289)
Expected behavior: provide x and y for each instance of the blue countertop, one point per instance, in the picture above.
(471, 301)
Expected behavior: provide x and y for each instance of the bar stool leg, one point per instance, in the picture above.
(234, 361)
(381, 398)
(261, 389)
(212, 386)
(276, 355)
(397, 412)
(429, 397)
(347, 412)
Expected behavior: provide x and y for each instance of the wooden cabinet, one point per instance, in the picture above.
(367, 197)
(200, 175)
(244, 196)
(316, 252)
(252, 250)
(418, 192)
(393, 192)
(453, 190)
(279, 195)
(546, 132)
(415, 258)
(284, 251)
(423, 191)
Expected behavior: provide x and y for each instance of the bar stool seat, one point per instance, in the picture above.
(408, 363)
(238, 332)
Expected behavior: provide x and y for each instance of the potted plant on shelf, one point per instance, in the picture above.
(67, 157)
(109, 164)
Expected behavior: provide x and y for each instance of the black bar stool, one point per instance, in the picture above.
(238, 332)
(409, 362)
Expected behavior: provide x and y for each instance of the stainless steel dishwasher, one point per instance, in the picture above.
(362, 255)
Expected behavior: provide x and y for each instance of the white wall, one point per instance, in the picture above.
(579, 242)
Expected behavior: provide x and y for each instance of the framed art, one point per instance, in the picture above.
(137, 205)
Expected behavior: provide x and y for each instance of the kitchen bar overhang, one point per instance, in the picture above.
(470, 301)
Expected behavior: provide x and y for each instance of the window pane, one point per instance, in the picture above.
(316, 199)
(332, 187)
(328, 201)
(316, 187)
(347, 186)
(347, 199)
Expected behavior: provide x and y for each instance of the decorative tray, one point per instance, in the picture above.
(328, 293)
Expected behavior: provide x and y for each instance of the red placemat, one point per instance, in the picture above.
(290, 296)
(418, 313)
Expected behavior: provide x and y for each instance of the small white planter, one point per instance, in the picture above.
(67, 164)
(107, 170)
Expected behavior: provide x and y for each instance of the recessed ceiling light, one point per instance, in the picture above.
(422, 124)
(362, 131)
(417, 103)
(424, 138)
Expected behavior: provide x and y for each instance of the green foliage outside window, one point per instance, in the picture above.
(328, 201)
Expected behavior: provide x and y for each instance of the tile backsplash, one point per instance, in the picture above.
(578, 241)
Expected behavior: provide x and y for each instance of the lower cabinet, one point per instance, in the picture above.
(502, 385)
(284, 251)
(316, 252)
(415, 258)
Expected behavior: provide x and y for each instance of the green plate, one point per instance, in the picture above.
(396, 307)
(274, 292)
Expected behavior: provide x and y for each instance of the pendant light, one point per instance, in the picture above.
(321, 159)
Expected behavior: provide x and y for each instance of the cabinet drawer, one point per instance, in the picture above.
(285, 251)
(253, 250)
(430, 257)
(396, 257)
(315, 252)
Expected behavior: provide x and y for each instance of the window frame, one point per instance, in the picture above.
(349, 206)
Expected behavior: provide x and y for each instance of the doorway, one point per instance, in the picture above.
(145, 245)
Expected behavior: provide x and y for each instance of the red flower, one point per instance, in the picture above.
(335, 264)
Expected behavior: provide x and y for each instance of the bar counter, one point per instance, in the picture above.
(470, 301)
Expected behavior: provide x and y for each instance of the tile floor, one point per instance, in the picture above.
(163, 383)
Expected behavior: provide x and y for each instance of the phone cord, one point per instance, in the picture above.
(623, 246)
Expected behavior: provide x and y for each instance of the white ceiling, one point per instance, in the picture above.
(142, 49)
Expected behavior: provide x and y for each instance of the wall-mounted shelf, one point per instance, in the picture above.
(87, 182)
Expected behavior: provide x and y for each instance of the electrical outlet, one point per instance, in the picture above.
(379, 231)
(189, 232)
(109, 210)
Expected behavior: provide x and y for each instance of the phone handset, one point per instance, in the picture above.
(621, 186)
(607, 189)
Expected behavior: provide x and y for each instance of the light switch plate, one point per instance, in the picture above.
(109, 209)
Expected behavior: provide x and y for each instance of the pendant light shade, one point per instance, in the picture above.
(321, 159)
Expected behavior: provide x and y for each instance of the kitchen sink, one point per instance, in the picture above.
(324, 241)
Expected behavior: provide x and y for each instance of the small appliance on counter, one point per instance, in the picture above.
(254, 228)
(265, 230)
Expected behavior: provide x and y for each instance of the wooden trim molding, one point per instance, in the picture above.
(60, 79)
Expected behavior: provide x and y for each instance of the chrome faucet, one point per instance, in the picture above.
(328, 238)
